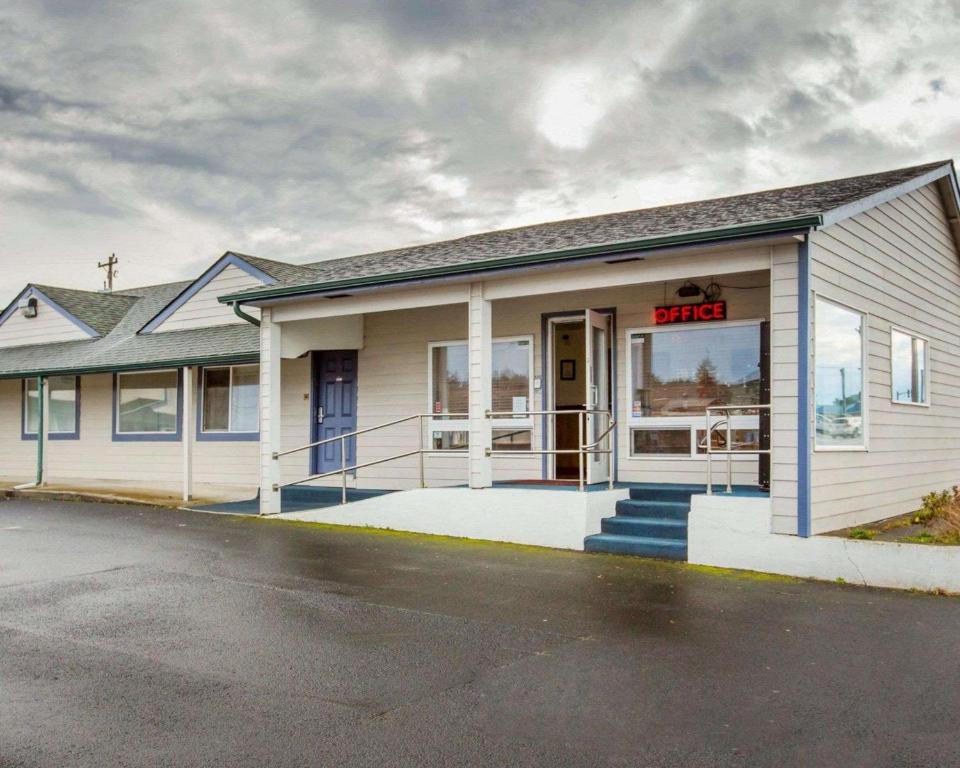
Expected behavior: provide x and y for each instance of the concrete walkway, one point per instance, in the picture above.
(141, 636)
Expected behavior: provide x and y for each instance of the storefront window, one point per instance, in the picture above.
(62, 414)
(147, 403)
(512, 367)
(503, 440)
(510, 377)
(660, 441)
(838, 385)
(230, 399)
(908, 360)
(680, 372)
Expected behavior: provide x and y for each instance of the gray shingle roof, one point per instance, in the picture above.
(119, 316)
(123, 348)
(768, 206)
(101, 311)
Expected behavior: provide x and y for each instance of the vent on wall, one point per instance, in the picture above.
(28, 306)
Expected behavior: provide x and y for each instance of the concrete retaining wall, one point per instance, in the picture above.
(735, 533)
(546, 518)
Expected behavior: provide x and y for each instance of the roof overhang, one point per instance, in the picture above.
(945, 178)
(153, 365)
(732, 234)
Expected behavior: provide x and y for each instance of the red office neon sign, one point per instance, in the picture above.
(709, 311)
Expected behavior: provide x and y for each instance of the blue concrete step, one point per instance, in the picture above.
(645, 546)
(653, 527)
(665, 492)
(675, 510)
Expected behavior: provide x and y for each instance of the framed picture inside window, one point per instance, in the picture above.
(568, 370)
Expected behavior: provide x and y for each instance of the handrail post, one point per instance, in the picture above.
(581, 417)
(610, 464)
(343, 470)
(423, 482)
(729, 454)
(709, 457)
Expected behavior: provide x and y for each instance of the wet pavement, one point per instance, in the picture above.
(140, 636)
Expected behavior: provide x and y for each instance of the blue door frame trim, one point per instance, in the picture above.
(546, 375)
(227, 260)
(149, 437)
(33, 291)
(24, 435)
(804, 522)
(219, 437)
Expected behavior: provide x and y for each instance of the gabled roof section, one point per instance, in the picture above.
(771, 211)
(96, 314)
(266, 271)
(122, 349)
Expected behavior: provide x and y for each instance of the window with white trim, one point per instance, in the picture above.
(908, 368)
(675, 373)
(148, 403)
(230, 399)
(512, 392)
(62, 416)
(838, 340)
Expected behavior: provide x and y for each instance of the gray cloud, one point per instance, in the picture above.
(301, 130)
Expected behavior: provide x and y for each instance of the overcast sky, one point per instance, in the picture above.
(170, 132)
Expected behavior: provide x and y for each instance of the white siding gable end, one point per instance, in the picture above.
(199, 305)
(51, 325)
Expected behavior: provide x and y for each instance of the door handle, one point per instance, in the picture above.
(320, 414)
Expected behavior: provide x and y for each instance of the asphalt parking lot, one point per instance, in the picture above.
(142, 636)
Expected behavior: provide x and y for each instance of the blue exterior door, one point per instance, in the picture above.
(335, 406)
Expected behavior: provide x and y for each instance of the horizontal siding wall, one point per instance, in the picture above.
(898, 262)
(18, 458)
(393, 379)
(204, 309)
(48, 327)
(96, 459)
(783, 388)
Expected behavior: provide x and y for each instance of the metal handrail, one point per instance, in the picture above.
(342, 439)
(585, 449)
(348, 435)
(712, 427)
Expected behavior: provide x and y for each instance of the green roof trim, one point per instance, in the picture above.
(148, 366)
(532, 259)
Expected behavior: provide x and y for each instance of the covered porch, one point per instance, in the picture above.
(598, 374)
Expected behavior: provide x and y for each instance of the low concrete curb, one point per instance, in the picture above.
(740, 538)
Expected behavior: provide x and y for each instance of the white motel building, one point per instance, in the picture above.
(792, 355)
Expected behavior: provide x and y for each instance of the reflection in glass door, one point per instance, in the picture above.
(598, 392)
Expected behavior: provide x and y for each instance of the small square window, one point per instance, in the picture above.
(908, 367)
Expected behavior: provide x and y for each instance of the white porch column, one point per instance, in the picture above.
(269, 413)
(187, 431)
(43, 430)
(480, 357)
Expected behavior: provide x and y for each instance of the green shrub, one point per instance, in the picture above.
(935, 504)
(862, 533)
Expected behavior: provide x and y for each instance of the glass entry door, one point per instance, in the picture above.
(597, 396)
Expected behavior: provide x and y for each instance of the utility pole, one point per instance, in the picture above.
(109, 265)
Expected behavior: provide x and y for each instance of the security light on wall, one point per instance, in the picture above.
(28, 307)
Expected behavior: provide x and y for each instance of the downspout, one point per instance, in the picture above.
(243, 315)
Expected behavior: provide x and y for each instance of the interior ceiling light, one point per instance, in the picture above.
(688, 290)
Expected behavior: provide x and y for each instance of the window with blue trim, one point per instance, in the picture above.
(62, 416)
(148, 403)
(230, 400)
